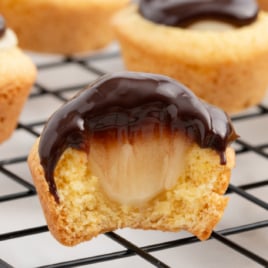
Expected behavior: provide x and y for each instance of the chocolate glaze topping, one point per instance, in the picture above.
(184, 12)
(2, 26)
(122, 104)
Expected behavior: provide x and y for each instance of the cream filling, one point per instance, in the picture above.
(132, 174)
(211, 25)
(8, 40)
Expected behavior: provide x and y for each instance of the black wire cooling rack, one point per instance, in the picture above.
(58, 80)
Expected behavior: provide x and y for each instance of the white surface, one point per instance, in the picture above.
(42, 249)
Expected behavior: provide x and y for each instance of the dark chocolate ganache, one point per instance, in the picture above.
(2, 26)
(124, 105)
(185, 12)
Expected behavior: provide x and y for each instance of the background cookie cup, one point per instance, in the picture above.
(57, 26)
(263, 4)
(227, 69)
(17, 74)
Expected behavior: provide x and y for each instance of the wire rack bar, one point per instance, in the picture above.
(261, 112)
(22, 233)
(13, 160)
(137, 250)
(252, 148)
(92, 260)
(221, 236)
(250, 186)
(249, 197)
(4, 264)
(240, 249)
(12, 197)
(17, 179)
(156, 247)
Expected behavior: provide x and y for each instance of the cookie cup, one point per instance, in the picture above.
(227, 69)
(263, 4)
(17, 74)
(56, 26)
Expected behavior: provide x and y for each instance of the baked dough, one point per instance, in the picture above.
(17, 74)
(263, 4)
(194, 204)
(61, 26)
(227, 69)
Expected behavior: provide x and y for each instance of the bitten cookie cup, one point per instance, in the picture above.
(227, 69)
(56, 26)
(133, 150)
(17, 74)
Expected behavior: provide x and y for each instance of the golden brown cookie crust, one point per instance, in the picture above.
(56, 26)
(17, 74)
(263, 4)
(227, 69)
(195, 204)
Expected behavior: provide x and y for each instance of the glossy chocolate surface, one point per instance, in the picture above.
(184, 12)
(2, 26)
(124, 105)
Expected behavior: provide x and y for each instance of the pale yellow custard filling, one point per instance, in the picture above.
(133, 173)
(211, 25)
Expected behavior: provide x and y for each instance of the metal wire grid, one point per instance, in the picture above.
(222, 236)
